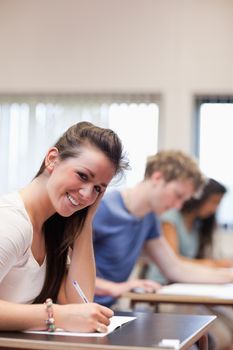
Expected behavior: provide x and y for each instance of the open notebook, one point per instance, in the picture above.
(210, 290)
(115, 322)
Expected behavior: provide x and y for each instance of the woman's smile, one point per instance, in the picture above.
(72, 200)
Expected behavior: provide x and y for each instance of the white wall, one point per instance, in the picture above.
(176, 48)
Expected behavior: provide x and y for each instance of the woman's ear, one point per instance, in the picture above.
(51, 158)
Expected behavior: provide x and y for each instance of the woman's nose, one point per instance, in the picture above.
(86, 193)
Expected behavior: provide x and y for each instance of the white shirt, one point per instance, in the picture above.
(21, 277)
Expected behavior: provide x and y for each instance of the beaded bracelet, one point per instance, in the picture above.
(50, 322)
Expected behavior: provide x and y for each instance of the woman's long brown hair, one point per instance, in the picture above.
(60, 232)
(205, 225)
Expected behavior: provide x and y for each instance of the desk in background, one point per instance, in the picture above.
(144, 333)
(184, 293)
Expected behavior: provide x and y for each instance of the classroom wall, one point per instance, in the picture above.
(176, 48)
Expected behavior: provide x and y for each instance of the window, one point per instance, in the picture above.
(30, 125)
(137, 126)
(215, 144)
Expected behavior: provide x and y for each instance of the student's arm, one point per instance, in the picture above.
(171, 236)
(82, 266)
(72, 317)
(105, 287)
(177, 270)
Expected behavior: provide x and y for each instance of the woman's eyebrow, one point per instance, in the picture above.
(93, 176)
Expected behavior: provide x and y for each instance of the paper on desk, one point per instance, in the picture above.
(174, 343)
(210, 290)
(115, 321)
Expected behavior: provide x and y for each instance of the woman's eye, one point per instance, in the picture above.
(82, 176)
(98, 189)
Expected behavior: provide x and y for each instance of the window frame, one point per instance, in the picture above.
(199, 100)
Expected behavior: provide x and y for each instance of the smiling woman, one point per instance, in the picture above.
(76, 183)
(50, 219)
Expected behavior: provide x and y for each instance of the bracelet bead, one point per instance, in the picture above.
(50, 322)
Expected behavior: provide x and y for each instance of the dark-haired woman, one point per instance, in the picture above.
(47, 224)
(190, 230)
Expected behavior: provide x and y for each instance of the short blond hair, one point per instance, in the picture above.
(175, 165)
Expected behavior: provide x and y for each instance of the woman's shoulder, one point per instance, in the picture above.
(12, 204)
(171, 216)
(13, 217)
(10, 199)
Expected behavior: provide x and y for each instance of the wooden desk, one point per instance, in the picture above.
(154, 299)
(144, 333)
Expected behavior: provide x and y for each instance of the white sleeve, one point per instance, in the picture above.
(13, 242)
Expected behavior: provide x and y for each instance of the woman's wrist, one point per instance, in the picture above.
(58, 315)
(50, 319)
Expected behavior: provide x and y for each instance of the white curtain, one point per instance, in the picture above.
(30, 125)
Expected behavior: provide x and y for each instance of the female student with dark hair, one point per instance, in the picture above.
(200, 214)
(48, 223)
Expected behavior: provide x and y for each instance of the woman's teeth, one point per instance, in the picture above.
(72, 200)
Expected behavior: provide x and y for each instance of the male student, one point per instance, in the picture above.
(127, 221)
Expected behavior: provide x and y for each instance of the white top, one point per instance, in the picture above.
(21, 277)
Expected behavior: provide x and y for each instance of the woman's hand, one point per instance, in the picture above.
(89, 317)
(92, 208)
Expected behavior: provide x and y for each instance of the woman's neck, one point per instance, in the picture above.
(36, 203)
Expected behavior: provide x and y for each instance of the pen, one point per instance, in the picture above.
(79, 291)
